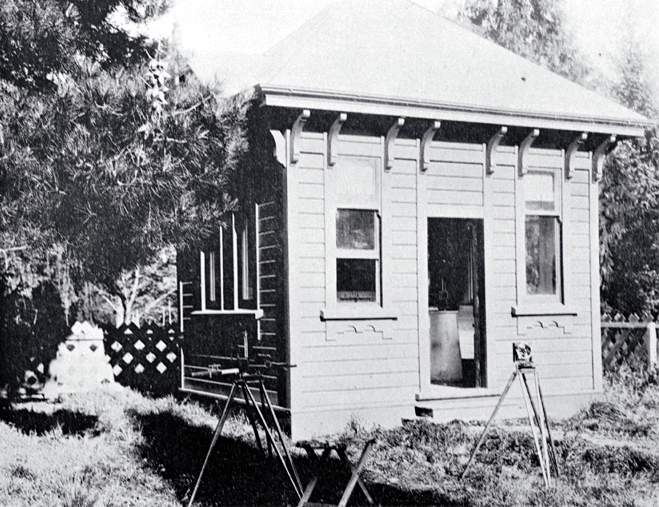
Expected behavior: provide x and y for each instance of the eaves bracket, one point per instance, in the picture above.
(332, 138)
(279, 150)
(296, 132)
(524, 148)
(602, 151)
(425, 144)
(571, 153)
(492, 145)
(389, 141)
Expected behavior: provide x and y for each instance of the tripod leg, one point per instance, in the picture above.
(494, 413)
(532, 422)
(541, 422)
(264, 396)
(279, 455)
(216, 436)
(554, 455)
(250, 416)
(543, 425)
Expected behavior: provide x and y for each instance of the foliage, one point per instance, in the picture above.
(534, 29)
(148, 293)
(97, 154)
(39, 40)
(32, 326)
(79, 173)
(629, 211)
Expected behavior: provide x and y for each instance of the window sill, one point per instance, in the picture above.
(538, 310)
(240, 311)
(368, 312)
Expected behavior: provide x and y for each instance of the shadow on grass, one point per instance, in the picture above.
(31, 422)
(239, 474)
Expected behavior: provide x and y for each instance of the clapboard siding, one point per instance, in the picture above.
(470, 181)
(501, 225)
(366, 397)
(559, 342)
(310, 160)
(270, 268)
(334, 365)
(547, 353)
(402, 224)
(329, 352)
(559, 356)
(363, 366)
(400, 276)
(349, 365)
(352, 381)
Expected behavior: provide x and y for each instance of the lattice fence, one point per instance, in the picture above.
(631, 340)
(145, 358)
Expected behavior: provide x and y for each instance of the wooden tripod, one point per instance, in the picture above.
(537, 414)
(241, 384)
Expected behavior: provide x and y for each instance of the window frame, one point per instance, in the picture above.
(364, 151)
(543, 304)
(558, 297)
(214, 277)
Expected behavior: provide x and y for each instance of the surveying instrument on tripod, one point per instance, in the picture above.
(535, 409)
(248, 378)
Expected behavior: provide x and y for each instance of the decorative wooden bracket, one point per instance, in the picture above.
(280, 146)
(296, 131)
(389, 143)
(571, 152)
(600, 152)
(524, 150)
(425, 144)
(492, 146)
(332, 138)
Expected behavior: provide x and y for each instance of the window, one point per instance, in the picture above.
(358, 255)
(245, 273)
(543, 235)
(225, 266)
(354, 228)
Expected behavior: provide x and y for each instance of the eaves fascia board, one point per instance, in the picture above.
(365, 104)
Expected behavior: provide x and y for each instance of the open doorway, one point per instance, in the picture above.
(456, 303)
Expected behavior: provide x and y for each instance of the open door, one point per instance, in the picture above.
(456, 302)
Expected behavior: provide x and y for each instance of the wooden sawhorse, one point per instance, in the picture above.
(326, 446)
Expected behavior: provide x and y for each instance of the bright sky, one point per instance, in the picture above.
(252, 26)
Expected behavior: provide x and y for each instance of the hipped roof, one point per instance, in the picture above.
(395, 57)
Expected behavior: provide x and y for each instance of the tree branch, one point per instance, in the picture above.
(157, 301)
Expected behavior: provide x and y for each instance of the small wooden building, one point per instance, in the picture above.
(415, 199)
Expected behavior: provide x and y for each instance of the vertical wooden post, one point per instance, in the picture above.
(234, 252)
(257, 268)
(202, 267)
(652, 344)
(221, 268)
(180, 307)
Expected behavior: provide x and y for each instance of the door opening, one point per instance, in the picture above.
(456, 290)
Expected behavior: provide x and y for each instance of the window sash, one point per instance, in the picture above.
(543, 269)
(367, 290)
(372, 253)
(543, 255)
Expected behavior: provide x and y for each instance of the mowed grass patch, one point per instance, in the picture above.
(80, 453)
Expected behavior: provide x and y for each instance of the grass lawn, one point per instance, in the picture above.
(119, 448)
